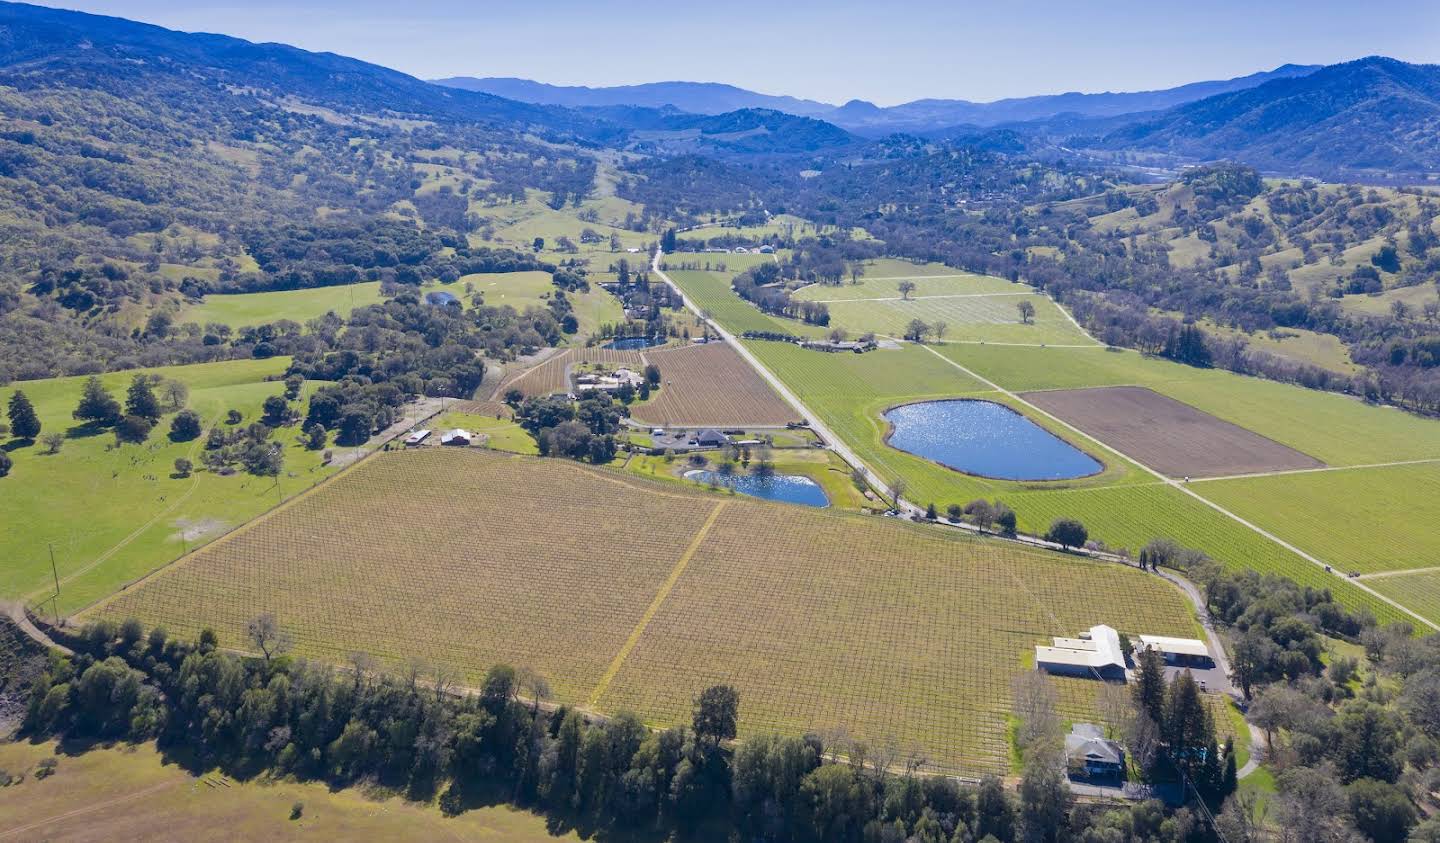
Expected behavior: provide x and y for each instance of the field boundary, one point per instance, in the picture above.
(654, 608)
(1401, 573)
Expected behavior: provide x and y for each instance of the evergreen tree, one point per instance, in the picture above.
(140, 400)
(97, 405)
(1187, 731)
(24, 424)
(1230, 781)
(1150, 687)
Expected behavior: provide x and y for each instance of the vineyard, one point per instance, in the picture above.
(543, 379)
(638, 595)
(1359, 519)
(710, 291)
(711, 385)
(1418, 591)
(1129, 516)
(968, 317)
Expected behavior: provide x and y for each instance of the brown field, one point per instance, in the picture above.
(712, 385)
(1168, 435)
(610, 357)
(630, 594)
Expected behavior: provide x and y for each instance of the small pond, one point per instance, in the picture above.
(985, 438)
(632, 343)
(790, 488)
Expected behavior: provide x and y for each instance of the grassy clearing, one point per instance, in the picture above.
(1364, 519)
(121, 507)
(133, 793)
(565, 563)
(1380, 304)
(241, 309)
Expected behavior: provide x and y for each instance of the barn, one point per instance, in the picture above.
(1094, 655)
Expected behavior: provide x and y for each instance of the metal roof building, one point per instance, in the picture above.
(1188, 651)
(1096, 654)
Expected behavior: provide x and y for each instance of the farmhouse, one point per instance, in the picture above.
(1095, 654)
(1089, 755)
(417, 437)
(1179, 652)
(608, 382)
(711, 439)
(457, 437)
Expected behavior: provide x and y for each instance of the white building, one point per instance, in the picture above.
(1094, 655)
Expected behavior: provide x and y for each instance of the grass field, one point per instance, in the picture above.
(240, 309)
(882, 287)
(114, 514)
(134, 793)
(1364, 519)
(631, 594)
(711, 385)
(504, 434)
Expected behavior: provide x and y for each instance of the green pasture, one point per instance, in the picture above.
(241, 309)
(113, 514)
(951, 283)
(1357, 519)
(1419, 592)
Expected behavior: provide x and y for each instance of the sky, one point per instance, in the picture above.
(885, 52)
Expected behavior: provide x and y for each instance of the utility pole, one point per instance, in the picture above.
(55, 572)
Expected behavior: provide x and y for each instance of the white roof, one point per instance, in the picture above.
(1101, 649)
(1180, 646)
(457, 433)
(417, 436)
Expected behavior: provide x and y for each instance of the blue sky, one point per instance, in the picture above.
(885, 52)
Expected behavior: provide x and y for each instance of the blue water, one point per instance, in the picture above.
(632, 343)
(985, 438)
(790, 488)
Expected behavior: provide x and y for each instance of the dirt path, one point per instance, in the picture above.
(16, 613)
(1287, 471)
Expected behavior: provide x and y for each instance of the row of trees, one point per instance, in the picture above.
(417, 732)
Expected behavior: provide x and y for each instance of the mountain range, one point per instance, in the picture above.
(919, 116)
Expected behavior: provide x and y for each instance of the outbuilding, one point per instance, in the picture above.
(457, 437)
(710, 438)
(417, 437)
(1094, 655)
(1179, 652)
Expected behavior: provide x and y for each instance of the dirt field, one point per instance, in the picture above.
(627, 593)
(1168, 435)
(712, 385)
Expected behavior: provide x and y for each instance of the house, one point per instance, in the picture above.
(417, 437)
(1179, 652)
(711, 439)
(602, 382)
(457, 437)
(1089, 755)
(440, 298)
(1094, 655)
(767, 249)
(838, 345)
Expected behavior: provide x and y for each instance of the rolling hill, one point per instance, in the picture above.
(1375, 116)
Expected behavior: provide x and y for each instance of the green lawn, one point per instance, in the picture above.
(1419, 592)
(114, 514)
(712, 294)
(881, 285)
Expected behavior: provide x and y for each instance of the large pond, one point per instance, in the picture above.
(633, 343)
(985, 438)
(790, 488)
